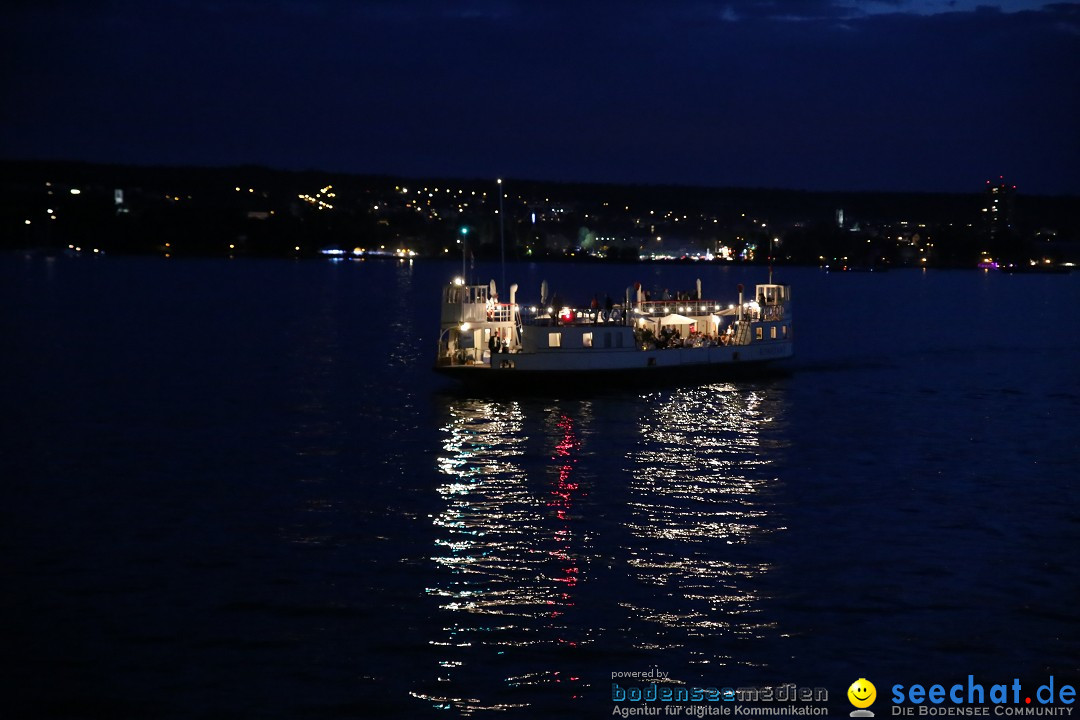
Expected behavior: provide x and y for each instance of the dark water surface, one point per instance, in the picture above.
(236, 489)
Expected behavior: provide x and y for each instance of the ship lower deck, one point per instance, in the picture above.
(546, 371)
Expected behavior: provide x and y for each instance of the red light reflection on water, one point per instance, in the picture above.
(562, 499)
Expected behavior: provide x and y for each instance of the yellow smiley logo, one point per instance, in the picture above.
(862, 693)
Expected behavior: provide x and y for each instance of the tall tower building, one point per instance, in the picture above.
(998, 205)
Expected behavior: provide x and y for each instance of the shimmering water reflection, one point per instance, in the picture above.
(701, 483)
(635, 525)
(230, 491)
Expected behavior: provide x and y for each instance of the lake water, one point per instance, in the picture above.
(237, 489)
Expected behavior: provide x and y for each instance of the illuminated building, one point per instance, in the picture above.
(998, 204)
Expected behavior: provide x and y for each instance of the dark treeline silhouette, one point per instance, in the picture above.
(258, 211)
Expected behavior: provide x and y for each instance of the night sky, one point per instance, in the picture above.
(926, 95)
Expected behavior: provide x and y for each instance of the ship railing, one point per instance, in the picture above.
(566, 315)
(771, 313)
(751, 310)
(537, 315)
(488, 312)
(681, 307)
(500, 312)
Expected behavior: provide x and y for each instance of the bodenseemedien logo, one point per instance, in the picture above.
(862, 694)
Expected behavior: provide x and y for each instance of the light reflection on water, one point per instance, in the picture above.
(504, 568)
(402, 332)
(701, 483)
(571, 530)
(234, 507)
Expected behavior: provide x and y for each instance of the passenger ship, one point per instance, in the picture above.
(488, 343)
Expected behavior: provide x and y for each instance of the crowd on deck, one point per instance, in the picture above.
(669, 337)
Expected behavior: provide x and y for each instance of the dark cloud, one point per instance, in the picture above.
(790, 93)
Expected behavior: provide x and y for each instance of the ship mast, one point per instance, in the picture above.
(502, 237)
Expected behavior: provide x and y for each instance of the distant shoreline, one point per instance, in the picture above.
(259, 212)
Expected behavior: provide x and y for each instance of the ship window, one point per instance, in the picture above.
(784, 331)
(759, 333)
(586, 339)
(618, 340)
(554, 339)
(772, 332)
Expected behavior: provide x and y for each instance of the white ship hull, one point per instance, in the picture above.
(600, 369)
